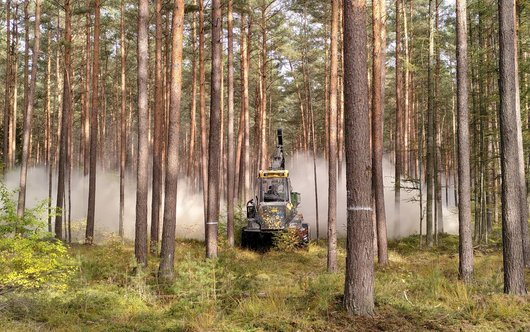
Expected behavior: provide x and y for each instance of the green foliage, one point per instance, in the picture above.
(32, 221)
(278, 291)
(111, 262)
(240, 221)
(286, 240)
(30, 263)
(28, 258)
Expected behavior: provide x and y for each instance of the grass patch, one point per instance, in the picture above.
(274, 291)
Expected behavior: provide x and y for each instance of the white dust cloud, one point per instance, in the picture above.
(302, 178)
(190, 222)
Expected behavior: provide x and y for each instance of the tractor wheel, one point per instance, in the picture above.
(245, 238)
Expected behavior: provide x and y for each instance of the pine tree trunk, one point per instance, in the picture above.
(7, 97)
(379, 42)
(167, 254)
(407, 121)
(202, 109)
(26, 54)
(140, 239)
(63, 143)
(191, 152)
(245, 55)
(230, 149)
(525, 233)
(123, 121)
(514, 281)
(438, 133)
(28, 115)
(465, 248)
(13, 90)
(48, 135)
(359, 283)
(212, 219)
(86, 124)
(91, 215)
(398, 139)
(332, 166)
(157, 133)
(263, 164)
(430, 129)
(311, 130)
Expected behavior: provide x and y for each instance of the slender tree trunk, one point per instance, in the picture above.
(91, 215)
(28, 114)
(240, 153)
(123, 120)
(167, 255)
(398, 139)
(378, 86)
(26, 54)
(359, 282)
(332, 166)
(13, 90)
(304, 136)
(140, 239)
(239, 174)
(191, 154)
(309, 104)
(7, 97)
(65, 124)
(49, 127)
(327, 93)
(157, 134)
(86, 124)
(245, 55)
(525, 233)
(465, 248)
(202, 108)
(406, 98)
(230, 149)
(212, 219)
(514, 281)
(430, 129)
(438, 133)
(264, 91)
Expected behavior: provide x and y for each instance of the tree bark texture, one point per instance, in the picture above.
(465, 249)
(214, 146)
(514, 282)
(64, 138)
(89, 234)
(359, 281)
(167, 254)
(140, 238)
(28, 115)
(230, 149)
(159, 113)
(123, 121)
(378, 86)
(332, 171)
(398, 139)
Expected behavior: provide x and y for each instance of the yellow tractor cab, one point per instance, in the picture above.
(274, 208)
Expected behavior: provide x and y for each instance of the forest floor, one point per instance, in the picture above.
(273, 291)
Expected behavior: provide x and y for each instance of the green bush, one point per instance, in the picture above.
(286, 241)
(29, 257)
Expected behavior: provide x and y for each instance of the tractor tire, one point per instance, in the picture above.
(257, 241)
(245, 239)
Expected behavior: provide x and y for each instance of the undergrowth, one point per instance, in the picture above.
(274, 291)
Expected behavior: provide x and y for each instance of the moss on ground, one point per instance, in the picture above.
(273, 291)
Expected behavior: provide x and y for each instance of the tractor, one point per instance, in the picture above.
(274, 207)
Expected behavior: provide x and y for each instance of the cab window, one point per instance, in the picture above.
(274, 190)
